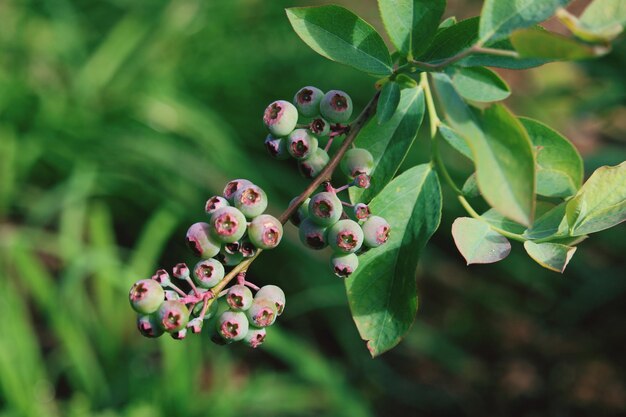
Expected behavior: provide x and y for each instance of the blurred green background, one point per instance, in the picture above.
(118, 119)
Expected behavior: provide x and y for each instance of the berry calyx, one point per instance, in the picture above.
(148, 326)
(214, 203)
(232, 325)
(312, 235)
(325, 208)
(146, 296)
(336, 106)
(300, 144)
(343, 265)
(251, 200)
(232, 187)
(239, 297)
(265, 231)
(228, 224)
(307, 101)
(276, 147)
(361, 211)
(274, 294)
(375, 231)
(208, 273)
(262, 312)
(255, 337)
(173, 316)
(345, 236)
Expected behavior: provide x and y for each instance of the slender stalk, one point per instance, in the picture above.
(438, 66)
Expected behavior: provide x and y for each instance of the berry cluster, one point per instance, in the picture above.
(324, 115)
(237, 229)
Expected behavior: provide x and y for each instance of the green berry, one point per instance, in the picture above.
(239, 297)
(325, 208)
(361, 211)
(171, 295)
(148, 325)
(195, 325)
(173, 316)
(312, 235)
(262, 312)
(345, 236)
(276, 147)
(208, 273)
(180, 271)
(232, 187)
(251, 200)
(307, 101)
(375, 231)
(214, 203)
(344, 264)
(274, 294)
(232, 325)
(265, 231)
(336, 106)
(362, 181)
(200, 241)
(319, 127)
(302, 213)
(146, 296)
(357, 161)
(229, 259)
(301, 144)
(280, 118)
(228, 224)
(255, 337)
(314, 164)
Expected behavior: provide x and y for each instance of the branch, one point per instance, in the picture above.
(476, 49)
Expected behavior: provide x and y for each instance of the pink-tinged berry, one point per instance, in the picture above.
(146, 296)
(171, 295)
(357, 161)
(319, 127)
(148, 326)
(214, 203)
(274, 294)
(375, 231)
(362, 211)
(255, 337)
(173, 316)
(345, 236)
(179, 334)
(301, 144)
(232, 325)
(200, 241)
(251, 200)
(180, 271)
(307, 101)
(162, 277)
(312, 235)
(262, 312)
(302, 213)
(228, 224)
(265, 231)
(343, 265)
(325, 208)
(336, 106)
(232, 187)
(229, 259)
(195, 325)
(239, 297)
(314, 164)
(362, 181)
(276, 147)
(208, 273)
(280, 118)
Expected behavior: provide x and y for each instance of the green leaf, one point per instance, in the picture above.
(552, 256)
(600, 203)
(551, 223)
(455, 140)
(606, 18)
(503, 154)
(499, 18)
(382, 291)
(470, 187)
(388, 101)
(496, 219)
(479, 84)
(450, 21)
(489, 60)
(559, 165)
(536, 43)
(390, 142)
(338, 34)
(411, 24)
(478, 243)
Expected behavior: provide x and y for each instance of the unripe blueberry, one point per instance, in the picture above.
(239, 297)
(179, 334)
(208, 273)
(274, 294)
(301, 144)
(307, 101)
(214, 203)
(302, 213)
(344, 264)
(201, 242)
(195, 325)
(232, 187)
(162, 277)
(357, 161)
(148, 325)
(320, 127)
(173, 316)
(247, 248)
(314, 164)
(345, 236)
(362, 181)
(255, 337)
(171, 295)
(229, 259)
(312, 235)
(325, 208)
(265, 231)
(232, 325)
(180, 271)
(262, 312)
(228, 224)
(375, 231)
(280, 118)
(251, 200)
(361, 211)
(276, 147)
(146, 296)
(336, 106)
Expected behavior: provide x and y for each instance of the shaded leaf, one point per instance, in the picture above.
(479, 84)
(601, 31)
(552, 256)
(535, 43)
(388, 101)
(455, 140)
(496, 219)
(470, 187)
(478, 243)
(551, 223)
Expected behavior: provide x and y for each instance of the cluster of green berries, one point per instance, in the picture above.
(237, 229)
(323, 117)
